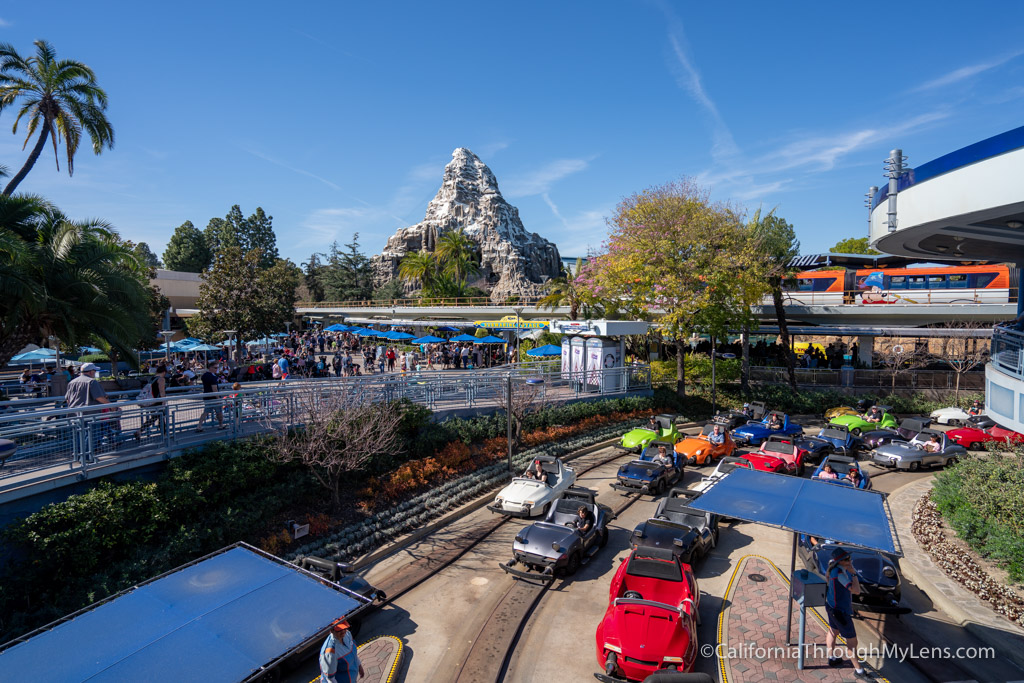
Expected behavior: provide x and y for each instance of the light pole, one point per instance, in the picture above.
(167, 334)
(231, 343)
(519, 312)
(288, 327)
(508, 419)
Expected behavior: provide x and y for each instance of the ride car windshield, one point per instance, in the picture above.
(678, 512)
(832, 433)
(650, 568)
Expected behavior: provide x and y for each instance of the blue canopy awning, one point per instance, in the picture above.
(546, 350)
(336, 327)
(491, 339)
(464, 338)
(429, 339)
(804, 506)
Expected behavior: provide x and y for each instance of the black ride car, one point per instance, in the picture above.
(690, 533)
(908, 429)
(731, 419)
(556, 545)
(644, 475)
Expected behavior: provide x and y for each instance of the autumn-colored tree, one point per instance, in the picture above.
(677, 257)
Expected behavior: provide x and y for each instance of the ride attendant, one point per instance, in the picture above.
(841, 585)
(339, 658)
(584, 519)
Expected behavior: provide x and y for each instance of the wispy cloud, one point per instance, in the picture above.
(323, 226)
(490, 149)
(688, 78)
(966, 72)
(4, 23)
(539, 181)
(583, 232)
(294, 169)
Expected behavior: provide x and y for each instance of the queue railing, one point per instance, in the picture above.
(52, 440)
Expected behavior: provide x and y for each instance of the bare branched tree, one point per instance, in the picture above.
(963, 351)
(341, 433)
(899, 357)
(524, 401)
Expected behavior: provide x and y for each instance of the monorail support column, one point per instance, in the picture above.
(1020, 290)
(865, 351)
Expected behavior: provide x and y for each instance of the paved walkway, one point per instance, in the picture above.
(960, 605)
(752, 626)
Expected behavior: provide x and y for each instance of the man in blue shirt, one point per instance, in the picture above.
(283, 364)
(339, 659)
(716, 437)
(841, 585)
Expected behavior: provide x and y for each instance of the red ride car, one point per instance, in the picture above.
(778, 454)
(651, 621)
(975, 439)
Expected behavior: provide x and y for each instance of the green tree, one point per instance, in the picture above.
(235, 230)
(563, 291)
(187, 250)
(59, 98)
(312, 277)
(239, 293)
(419, 267)
(854, 245)
(347, 275)
(389, 291)
(457, 255)
(776, 241)
(145, 255)
(71, 279)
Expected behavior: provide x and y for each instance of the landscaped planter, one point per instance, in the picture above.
(384, 526)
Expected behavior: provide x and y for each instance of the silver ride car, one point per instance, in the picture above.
(913, 455)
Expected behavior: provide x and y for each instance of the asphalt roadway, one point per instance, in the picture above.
(442, 618)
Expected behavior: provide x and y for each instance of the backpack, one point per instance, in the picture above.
(146, 393)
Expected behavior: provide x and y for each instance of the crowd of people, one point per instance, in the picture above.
(774, 354)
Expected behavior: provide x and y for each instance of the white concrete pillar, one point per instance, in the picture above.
(865, 350)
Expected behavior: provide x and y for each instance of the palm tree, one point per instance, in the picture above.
(59, 97)
(456, 252)
(778, 244)
(562, 291)
(418, 266)
(67, 278)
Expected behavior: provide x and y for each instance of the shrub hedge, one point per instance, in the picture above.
(982, 498)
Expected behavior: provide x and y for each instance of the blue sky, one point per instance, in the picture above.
(339, 117)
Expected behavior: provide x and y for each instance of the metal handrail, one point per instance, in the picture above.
(423, 302)
(53, 440)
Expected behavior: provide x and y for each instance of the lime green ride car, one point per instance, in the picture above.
(876, 417)
(664, 429)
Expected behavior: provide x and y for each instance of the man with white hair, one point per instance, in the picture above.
(84, 390)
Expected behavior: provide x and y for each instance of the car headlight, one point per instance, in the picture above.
(613, 648)
(888, 572)
(499, 501)
(672, 660)
(700, 452)
(528, 503)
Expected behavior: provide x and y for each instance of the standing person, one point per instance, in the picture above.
(210, 386)
(841, 585)
(465, 357)
(339, 658)
(84, 390)
(391, 359)
(157, 389)
(283, 364)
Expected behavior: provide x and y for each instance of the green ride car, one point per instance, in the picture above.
(661, 428)
(883, 419)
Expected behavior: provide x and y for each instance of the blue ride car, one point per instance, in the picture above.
(830, 439)
(841, 465)
(644, 475)
(754, 432)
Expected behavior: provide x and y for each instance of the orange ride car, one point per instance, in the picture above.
(698, 450)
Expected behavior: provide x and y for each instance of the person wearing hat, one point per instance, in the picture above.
(84, 390)
(339, 658)
(841, 585)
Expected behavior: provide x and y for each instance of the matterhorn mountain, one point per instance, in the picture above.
(513, 262)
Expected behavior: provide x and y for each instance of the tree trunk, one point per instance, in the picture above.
(714, 383)
(745, 365)
(780, 315)
(680, 367)
(32, 157)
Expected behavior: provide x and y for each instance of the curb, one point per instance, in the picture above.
(963, 607)
(455, 515)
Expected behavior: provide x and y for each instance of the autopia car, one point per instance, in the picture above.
(881, 585)
(779, 454)
(698, 450)
(638, 439)
(753, 433)
(645, 475)
(689, 532)
(975, 439)
(525, 497)
(915, 453)
(652, 618)
(556, 544)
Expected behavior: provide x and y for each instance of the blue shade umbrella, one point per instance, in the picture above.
(204, 347)
(89, 349)
(546, 350)
(429, 339)
(402, 335)
(491, 339)
(336, 327)
(464, 338)
(447, 328)
(30, 357)
(387, 334)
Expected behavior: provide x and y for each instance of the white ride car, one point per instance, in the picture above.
(530, 497)
(950, 416)
(725, 465)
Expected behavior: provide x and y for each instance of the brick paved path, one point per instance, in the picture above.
(754, 617)
(381, 659)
